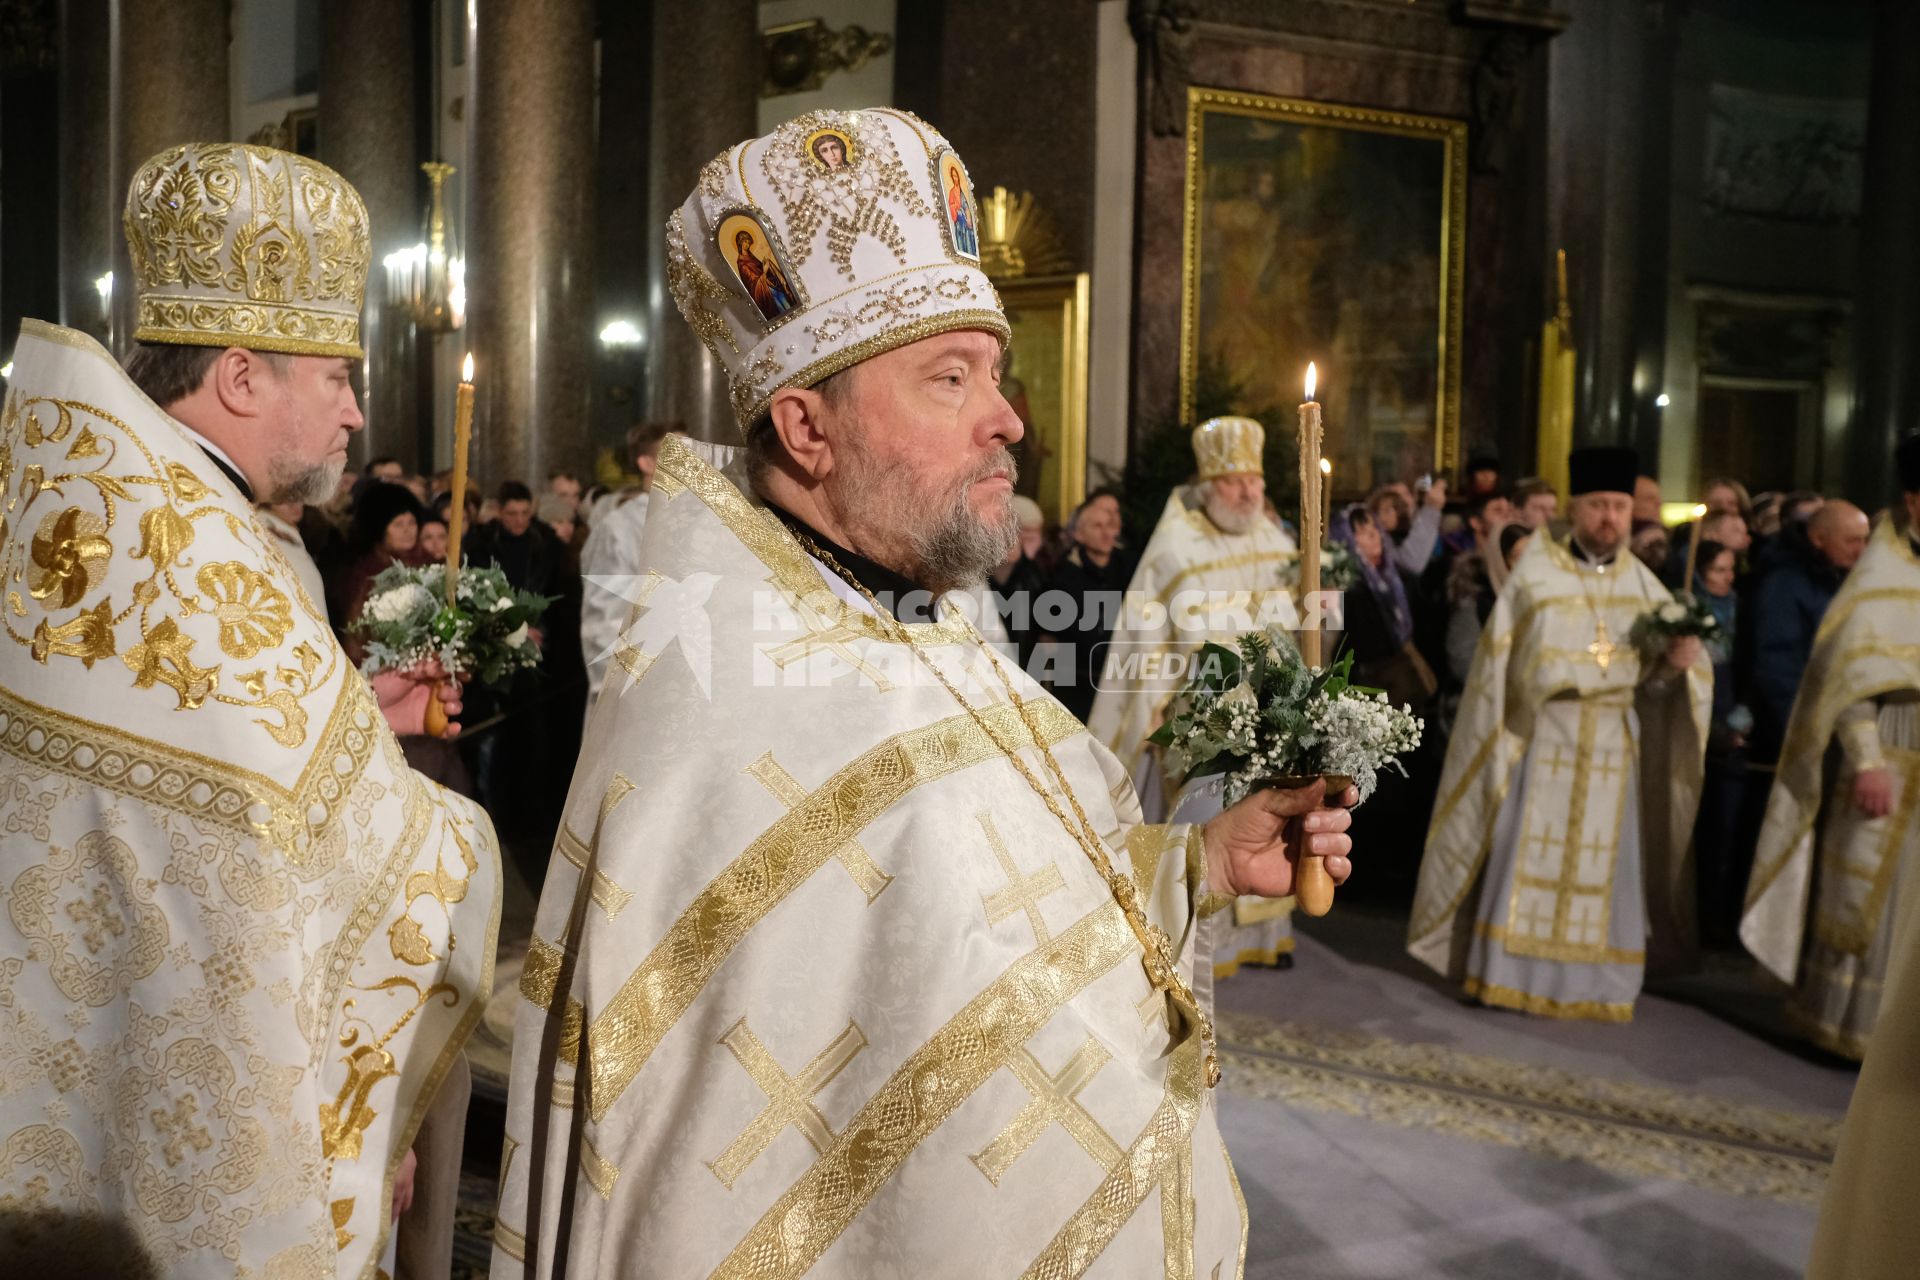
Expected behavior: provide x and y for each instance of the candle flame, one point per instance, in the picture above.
(1326, 467)
(1699, 510)
(1312, 377)
(466, 368)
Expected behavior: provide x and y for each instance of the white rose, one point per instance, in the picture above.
(1673, 611)
(500, 606)
(398, 602)
(1241, 695)
(517, 637)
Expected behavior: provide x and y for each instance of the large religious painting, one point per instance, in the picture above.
(1331, 234)
(1045, 380)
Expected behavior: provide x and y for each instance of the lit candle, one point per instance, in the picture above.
(462, 436)
(1693, 545)
(1310, 532)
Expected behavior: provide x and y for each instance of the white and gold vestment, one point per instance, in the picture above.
(1567, 801)
(1819, 912)
(819, 983)
(1195, 583)
(241, 941)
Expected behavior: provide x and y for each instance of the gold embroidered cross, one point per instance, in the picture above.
(1544, 842)
(182, 1128)
(1529, 914)
(1056, 1100)
(835, 640)
(866, 874)
(1558, 761)
(789, 1098)
(1603, 766)
(97, 917)
(1023, 892)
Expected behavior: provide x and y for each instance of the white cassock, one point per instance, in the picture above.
(609, 568)
(820, 984)
(1195, 583)
(242, 942)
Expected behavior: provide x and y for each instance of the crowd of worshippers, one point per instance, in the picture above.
(1433, 562)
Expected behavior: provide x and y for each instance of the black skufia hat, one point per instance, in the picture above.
(1602, 469)
(1907, 455)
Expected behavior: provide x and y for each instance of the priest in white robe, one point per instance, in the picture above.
(1821, 900)
(1211, 571)
(1556, 845)
(855, 957)
(242, 942)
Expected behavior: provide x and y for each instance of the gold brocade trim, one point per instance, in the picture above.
(600, 1173)
(1526, 1002)
(1240, 1203)
(1261, 910)
(926, 1088)
(1830, 1036)
(196, 785)
(1627, 1127)
(794, 572)
(1570, 953)
(1268, 956)
(1146, 843)
(1156, 1159)
(540, 973)
(624, 1034)
(1244, 559)
(879, 344)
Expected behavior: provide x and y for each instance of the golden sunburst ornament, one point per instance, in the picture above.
(1019, 238)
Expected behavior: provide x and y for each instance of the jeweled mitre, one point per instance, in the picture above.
(239, 246)
(835, 238)
(1228, 447)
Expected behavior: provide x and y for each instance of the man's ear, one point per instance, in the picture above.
(797, 420)
(237, 378)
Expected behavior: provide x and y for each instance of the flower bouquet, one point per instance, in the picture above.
(483, 634)
(1676, 619)
(1260, 716)
(1339, 570)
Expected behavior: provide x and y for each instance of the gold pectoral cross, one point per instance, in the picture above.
(1602, 646)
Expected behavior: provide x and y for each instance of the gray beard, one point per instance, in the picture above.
(951, 545)
(1229, 520)
(312, 485)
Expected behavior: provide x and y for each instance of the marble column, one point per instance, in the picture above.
(1608, 100)
(1886, 314)
(170, 87)
(706, 89)
(368, 75)
(89, 204)
(530, 237)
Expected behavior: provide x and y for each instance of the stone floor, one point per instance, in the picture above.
(1383, 1128)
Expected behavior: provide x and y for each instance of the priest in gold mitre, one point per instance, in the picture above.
(1822, 896)
(1554, 858)
(1210, 571)
(242, 942)
(854, 941)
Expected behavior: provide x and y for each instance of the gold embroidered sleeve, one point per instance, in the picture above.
(1858, 732)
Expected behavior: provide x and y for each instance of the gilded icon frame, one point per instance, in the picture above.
(1449, 231)
(1049, 317)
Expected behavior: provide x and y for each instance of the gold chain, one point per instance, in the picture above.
(1162, 966)
(1602, 647)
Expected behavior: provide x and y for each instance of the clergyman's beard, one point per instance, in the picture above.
(311, 483)
(1230, 519)
(951, 545)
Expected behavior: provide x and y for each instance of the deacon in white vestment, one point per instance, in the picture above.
(1572, 775)
(610, 560)
(855, 958)
(1820, 907)
(242, 942)
(1210, 571)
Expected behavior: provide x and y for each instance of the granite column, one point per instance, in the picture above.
(368, 68)
(89, 204)
(530, 242)
(170, 87)
(706, 79)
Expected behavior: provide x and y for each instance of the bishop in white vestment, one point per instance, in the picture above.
(242, 942)
(1211, 571)
(1821, 901)
(1571, 778)
(855, 957)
